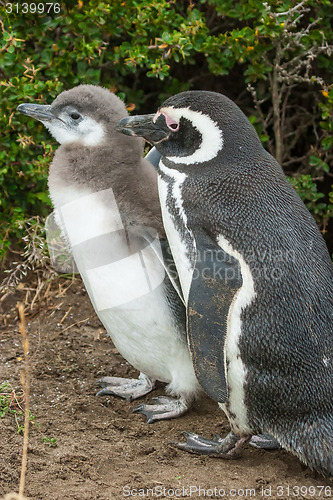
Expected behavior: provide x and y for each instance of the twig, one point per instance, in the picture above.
(56, 309)
(293, 9)
(47, 290)
(63, 292)
(75, 324)
(26, 384)
(4, 297)
(65, 315)
(39, 289)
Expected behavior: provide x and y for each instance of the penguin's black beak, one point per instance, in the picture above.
(144, 126)
(40, 112)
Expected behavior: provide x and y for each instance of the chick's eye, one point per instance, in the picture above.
(75, 115)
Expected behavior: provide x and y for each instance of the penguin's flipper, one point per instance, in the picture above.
(168, 263)
(228, 447)
(164, 255)
(170, 268)
(215, 281)
(126, 388)
(154, 157)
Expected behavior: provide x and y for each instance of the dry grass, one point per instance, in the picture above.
(40, 289)
(25, 381)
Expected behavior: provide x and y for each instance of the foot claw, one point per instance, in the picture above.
(141, 409)
(138, 408)
(220, 448)
(103, 392)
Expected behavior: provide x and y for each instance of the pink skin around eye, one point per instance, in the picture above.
(171, 124)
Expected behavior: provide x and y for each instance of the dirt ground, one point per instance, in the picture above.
(103, 450)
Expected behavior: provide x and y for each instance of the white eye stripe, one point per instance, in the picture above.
(211, 134)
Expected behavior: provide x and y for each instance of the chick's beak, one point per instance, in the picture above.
(40, 112)
(143, 126)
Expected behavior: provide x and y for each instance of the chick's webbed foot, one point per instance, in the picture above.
(127, 388)
(228, 447)
(162, 408)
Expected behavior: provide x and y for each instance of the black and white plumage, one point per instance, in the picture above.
(255, 273)
(106, 202)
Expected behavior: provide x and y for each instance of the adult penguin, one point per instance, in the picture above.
(106, 201)
(255, 274)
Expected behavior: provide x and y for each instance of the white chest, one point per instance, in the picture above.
(176, 240)
(86, 215)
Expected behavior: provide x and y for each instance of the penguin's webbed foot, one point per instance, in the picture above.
(162, 408)
(228, 447)
(265, 442)
(127, 388)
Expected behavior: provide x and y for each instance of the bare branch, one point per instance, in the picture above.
(293, 9)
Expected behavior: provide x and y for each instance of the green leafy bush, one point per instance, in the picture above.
(273, 59)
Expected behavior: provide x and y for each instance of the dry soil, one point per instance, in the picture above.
(103, 450)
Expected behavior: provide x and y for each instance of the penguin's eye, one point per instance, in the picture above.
(171, 124)
(75, 115)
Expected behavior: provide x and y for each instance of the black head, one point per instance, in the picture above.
(195, 127)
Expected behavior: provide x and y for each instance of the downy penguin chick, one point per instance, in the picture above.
(255, 274)
(106, 202)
